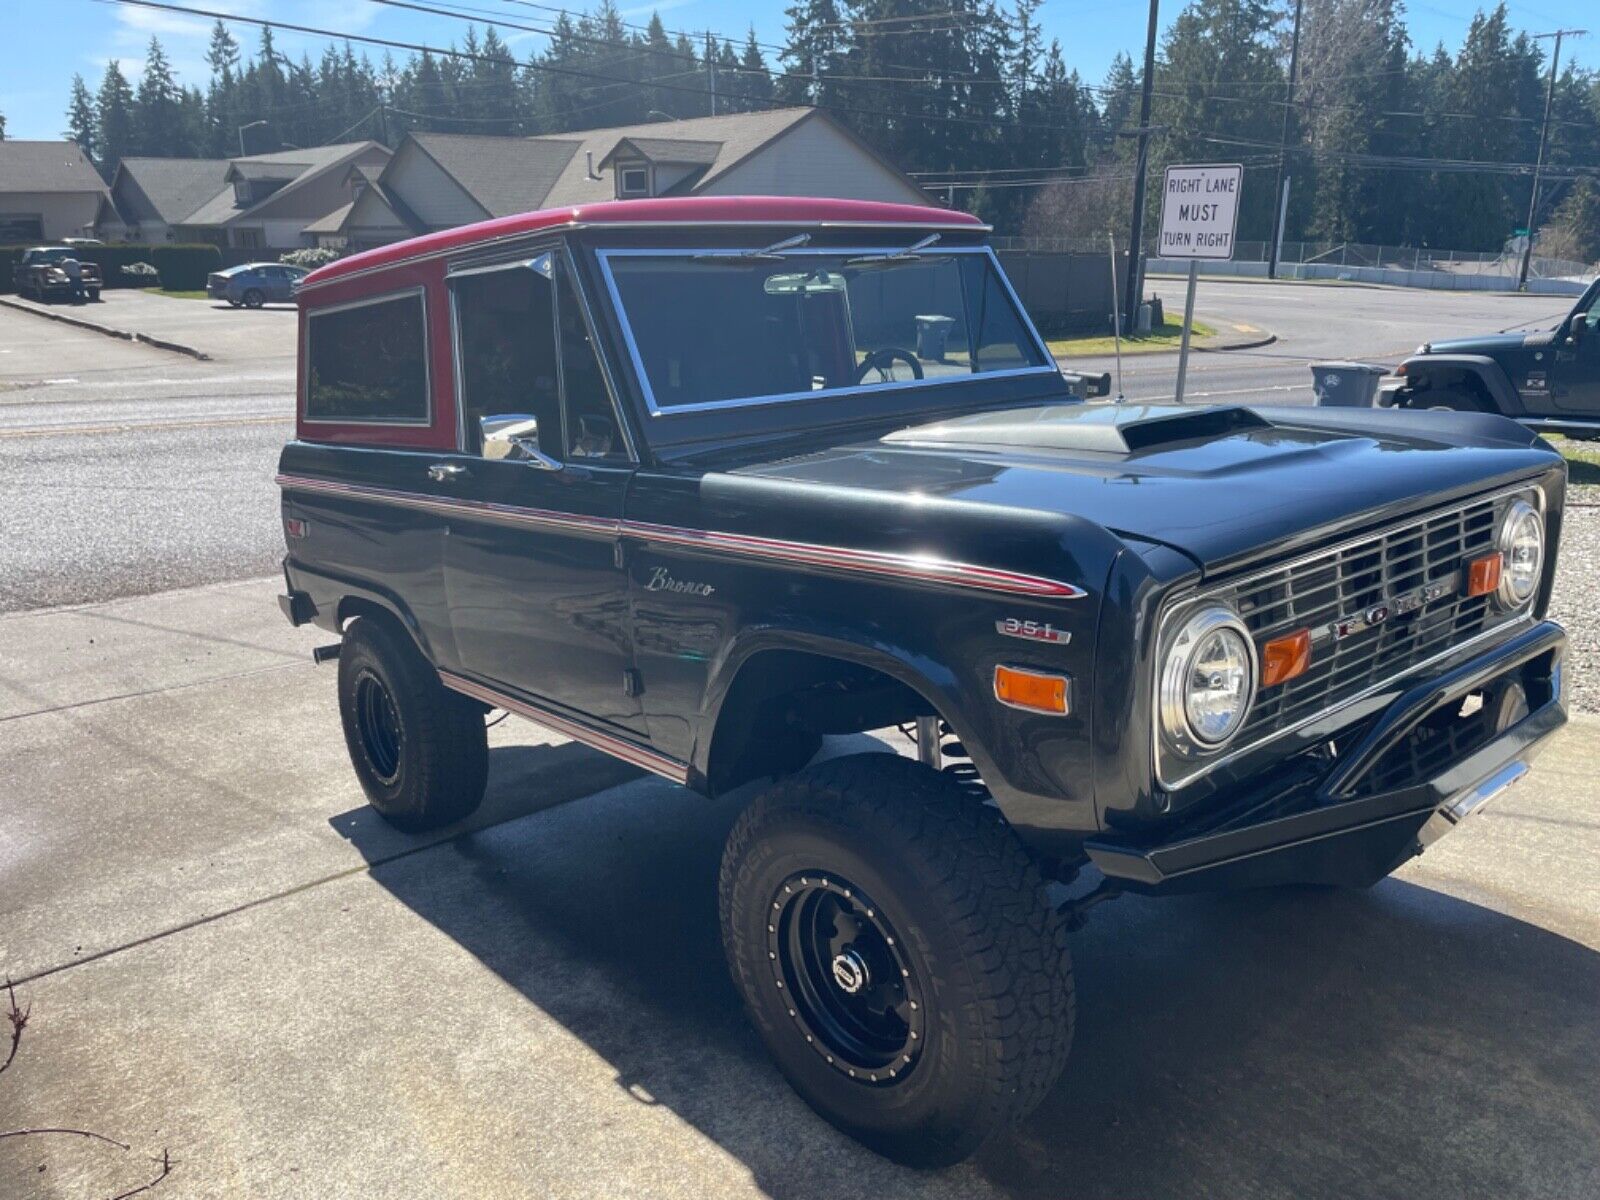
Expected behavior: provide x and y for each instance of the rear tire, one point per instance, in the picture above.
(895, 950)
(420, 750)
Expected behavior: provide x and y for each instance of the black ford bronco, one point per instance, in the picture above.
(701, 482)
(1549, 380)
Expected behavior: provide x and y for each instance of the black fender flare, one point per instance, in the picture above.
(346, 593)
(1484, 369)
(934, 682)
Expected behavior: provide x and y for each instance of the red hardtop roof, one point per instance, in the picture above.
(686, 210)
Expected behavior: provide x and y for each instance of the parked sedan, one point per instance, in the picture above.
(255, 284)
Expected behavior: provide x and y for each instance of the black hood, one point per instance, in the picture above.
(1223, 485)
(1490, 344)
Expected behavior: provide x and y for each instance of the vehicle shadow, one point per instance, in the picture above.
(1291, 1043)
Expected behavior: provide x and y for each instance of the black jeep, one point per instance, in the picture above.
(701, 482)
(1548, 380)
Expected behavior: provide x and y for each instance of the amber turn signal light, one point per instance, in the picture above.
(1284, 658)
(1483, 574)
(1031, 690)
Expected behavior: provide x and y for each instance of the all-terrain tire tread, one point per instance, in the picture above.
(986, 886)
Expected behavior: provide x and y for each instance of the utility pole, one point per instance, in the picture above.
(711, 70)
(1131, 301)
(1281, 191)
(1544, 140)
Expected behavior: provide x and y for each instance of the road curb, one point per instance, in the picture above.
(1253, 344)
(107, 330)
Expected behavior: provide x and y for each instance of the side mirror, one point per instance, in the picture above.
(515, 436)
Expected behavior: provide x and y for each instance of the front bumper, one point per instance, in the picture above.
(1441, 751)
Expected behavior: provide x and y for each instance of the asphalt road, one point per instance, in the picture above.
(127, 470)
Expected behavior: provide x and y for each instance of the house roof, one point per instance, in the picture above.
(736, 137)
(676, 151)
(504, 175)
(246, 169)
(333, 222)
(223, 208)
(687, 210)
(47, 167)
(167, 189)
(514, 175)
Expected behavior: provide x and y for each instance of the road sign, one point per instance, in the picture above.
(1200, 211)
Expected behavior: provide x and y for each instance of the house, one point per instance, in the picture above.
(439, 180)
(50, 190)
(269, 199)
(155, 194)
(255, 202)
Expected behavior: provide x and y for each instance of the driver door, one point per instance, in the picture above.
(538, 604)
(1576, 385)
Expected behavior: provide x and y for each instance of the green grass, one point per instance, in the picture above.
(1164, 337)
(1583, 460)
(157, 291)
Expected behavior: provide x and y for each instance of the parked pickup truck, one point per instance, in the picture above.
(47, 273)
(675, 479)
(1549, 380)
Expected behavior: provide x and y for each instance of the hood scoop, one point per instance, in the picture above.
(1104, 428)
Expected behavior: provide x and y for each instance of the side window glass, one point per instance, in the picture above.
(592, 431)
(510, 389)
(368, 363)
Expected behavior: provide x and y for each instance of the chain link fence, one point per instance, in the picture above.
(1353, 255)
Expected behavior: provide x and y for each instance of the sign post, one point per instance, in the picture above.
(1199, 218)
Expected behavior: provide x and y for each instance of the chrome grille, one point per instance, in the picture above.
(1352, 579)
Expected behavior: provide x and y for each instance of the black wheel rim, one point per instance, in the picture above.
(845, 978)
(378, 723)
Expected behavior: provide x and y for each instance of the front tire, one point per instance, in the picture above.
(895, 950)
(420, 751)
(1454, 399)
(254, 299)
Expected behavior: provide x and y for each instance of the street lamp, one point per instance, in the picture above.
(242, 128)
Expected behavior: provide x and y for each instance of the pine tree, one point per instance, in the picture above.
(82, 122)
(1574, 229)
(114, 118)
(1212, 41)
(755, 81)
(222, 55)
(157, 124)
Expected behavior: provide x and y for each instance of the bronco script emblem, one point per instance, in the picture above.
(1398, 607)
(662, 581)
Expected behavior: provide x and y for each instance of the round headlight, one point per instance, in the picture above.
(1208, 680)
(1521, 543)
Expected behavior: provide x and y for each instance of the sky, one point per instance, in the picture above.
(48, 40)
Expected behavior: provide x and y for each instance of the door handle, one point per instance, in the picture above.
(446, 472)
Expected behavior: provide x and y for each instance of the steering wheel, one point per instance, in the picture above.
(883, 359)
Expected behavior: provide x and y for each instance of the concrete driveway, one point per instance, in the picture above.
(228, 957)
(213, 328)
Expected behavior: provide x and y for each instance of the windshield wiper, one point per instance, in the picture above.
(910, 253)
(774, 251)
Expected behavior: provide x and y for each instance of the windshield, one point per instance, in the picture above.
(725, 328)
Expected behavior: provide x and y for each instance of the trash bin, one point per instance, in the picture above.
(1346, 384)
(932, 335)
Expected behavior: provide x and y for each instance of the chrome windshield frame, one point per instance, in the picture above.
(604, 255)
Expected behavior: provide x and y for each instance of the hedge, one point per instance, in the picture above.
(182, 267)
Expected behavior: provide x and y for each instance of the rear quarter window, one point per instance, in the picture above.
(367, 363)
